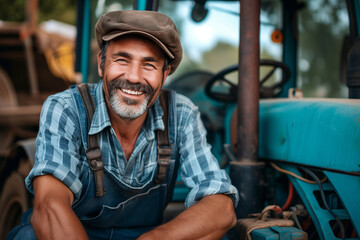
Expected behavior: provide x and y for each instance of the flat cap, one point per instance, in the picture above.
(153, 25)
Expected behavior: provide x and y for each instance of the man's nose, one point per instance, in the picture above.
(134, 73)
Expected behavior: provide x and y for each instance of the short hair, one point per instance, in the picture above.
(103, 48)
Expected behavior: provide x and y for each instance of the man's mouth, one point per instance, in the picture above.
(131, 92)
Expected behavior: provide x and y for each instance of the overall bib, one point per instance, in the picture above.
(123, 212)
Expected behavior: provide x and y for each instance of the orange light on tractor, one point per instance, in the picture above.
(277, 36)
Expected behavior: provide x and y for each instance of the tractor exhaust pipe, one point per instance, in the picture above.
(247, 173)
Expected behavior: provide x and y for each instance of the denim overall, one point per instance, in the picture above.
(122, 212)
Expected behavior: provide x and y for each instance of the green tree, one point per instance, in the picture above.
(14, 12)
(64, 10)
(323, 24)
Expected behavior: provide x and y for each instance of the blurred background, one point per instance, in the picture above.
(44, 49)
(210, 44)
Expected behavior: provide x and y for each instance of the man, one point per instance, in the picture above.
(138, 50)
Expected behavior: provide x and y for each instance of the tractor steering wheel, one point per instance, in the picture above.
(265, 91)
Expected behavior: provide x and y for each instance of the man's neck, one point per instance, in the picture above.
(126, 130)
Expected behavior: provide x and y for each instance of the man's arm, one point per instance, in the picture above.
(53, 217)
(210, 218)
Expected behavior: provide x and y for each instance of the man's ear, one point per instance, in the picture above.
(166, 74)
(100, 72)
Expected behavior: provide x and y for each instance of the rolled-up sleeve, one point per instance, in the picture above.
(58, 143)
(200, 170)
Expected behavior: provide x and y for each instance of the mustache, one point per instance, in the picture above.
(124, 83)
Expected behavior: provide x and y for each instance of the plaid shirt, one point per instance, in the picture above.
(60, 148)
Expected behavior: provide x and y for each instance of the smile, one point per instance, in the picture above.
(131, 92)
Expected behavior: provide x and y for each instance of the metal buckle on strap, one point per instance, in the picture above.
(164, 155)
(94, 157)
(164, 151)
(164, 163)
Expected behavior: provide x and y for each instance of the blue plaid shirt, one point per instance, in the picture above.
(60, 149)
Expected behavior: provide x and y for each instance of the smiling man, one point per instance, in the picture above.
(126, 196)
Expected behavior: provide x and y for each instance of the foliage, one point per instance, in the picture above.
(14, 12)
(323, 25)
(64, 10)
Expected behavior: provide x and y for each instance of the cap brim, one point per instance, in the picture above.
(114, 35)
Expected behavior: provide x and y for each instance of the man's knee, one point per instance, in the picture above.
(22, 232)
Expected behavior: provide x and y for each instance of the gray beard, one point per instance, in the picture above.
(129, 108)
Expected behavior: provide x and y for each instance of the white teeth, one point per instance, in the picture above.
(128, 91)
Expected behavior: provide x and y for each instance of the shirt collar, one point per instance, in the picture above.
(101, 118)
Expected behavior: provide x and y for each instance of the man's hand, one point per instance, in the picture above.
(53, 217)
(210, 218)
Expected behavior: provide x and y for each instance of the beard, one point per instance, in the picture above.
(127, 108)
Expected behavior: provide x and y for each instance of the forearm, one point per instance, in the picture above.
(53, 221)
(53, 217)
(210, 218)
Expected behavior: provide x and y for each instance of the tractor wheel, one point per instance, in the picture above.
(7, 99)
(13, 202)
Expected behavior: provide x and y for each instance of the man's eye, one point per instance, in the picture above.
(122, 60)
(149, 66)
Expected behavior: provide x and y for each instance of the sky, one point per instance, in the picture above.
(218, 25)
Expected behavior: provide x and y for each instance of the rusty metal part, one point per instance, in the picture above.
(32, 15)
(20, 116)
(246, 173)
(30, 60)
(248, 88)
(7, 92)
(26, 34)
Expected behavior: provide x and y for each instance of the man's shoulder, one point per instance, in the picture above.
(71, 94)
(181, 100)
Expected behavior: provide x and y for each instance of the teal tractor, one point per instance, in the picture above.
(279, 99)
(283, 148)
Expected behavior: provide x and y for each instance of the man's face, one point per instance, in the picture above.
(133, 75)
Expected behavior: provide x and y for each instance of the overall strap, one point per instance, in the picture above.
(93, 152)
(164, 146)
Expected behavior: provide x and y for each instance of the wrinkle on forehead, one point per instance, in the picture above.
(134, 37)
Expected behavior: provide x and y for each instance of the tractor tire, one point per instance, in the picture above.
(13, 202)
(7, 99)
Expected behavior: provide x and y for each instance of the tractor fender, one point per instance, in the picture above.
(27, 148)
(21, 159)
